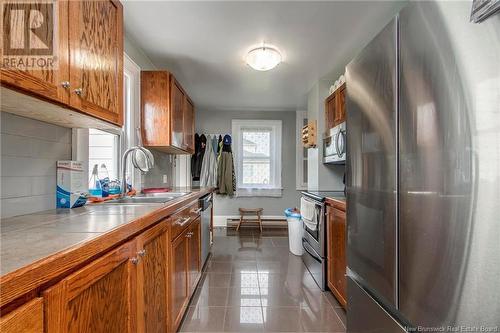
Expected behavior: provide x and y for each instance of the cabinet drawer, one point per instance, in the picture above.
(27, 318)
(182, 219)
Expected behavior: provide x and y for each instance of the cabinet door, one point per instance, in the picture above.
(179, 289)
(152, 279)
(194, 253)
(189, 126)
(46, 82)
(176, 113)
(28, 318)
(96, 58)
(341, 104)
(339, 255)
(330, 106)
(98, 298)
(329, 249)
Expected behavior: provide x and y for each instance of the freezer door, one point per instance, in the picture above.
(371, 164)
(449, 167)
(365, 315)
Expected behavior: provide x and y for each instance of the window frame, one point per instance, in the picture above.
(274, 189)
(132, 119)
(300, 158)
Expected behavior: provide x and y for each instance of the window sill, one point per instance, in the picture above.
(259, 192)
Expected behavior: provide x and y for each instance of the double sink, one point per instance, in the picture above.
(149, 198)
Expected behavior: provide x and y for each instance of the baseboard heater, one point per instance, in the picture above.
(252, 223)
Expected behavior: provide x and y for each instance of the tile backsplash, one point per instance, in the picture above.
(29, 151)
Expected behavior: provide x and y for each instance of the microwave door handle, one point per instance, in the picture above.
(337, 143)
(341, 151)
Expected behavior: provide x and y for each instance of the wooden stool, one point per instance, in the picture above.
(250, 211)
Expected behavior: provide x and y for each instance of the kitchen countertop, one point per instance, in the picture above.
(53, 241)
(322, 195)
(28, 238)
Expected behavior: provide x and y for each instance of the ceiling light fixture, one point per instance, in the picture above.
(263, 58)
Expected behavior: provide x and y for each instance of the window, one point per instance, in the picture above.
(257, 152)
(301, 154)
(103, 149)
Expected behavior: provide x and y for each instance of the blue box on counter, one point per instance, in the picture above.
(71, 184)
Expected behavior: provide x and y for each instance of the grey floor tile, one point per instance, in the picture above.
(244, 319)
(243, 296)
(252, 283)
(205, 296)
(204, 319)
(215, 280)
(282, 319)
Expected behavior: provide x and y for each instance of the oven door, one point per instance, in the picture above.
(315, 234)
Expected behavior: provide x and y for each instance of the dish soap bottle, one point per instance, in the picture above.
(104, 179)
(95, 188)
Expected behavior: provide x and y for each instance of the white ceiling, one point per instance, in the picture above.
(204, 44)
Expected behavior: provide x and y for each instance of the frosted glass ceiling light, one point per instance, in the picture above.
(263, 58)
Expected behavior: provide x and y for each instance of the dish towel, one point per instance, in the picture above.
(308, 212)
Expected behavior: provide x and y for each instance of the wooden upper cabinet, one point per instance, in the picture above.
(341, 107)
(28, 318)
(330, 107)
(177, 113)
(152, 279)
(45, 83)
(88, 76)
(167, 114)
(335, 108)
(98, 298)
(96, 58)
(336, 253)
(188, 125)
(155, 108)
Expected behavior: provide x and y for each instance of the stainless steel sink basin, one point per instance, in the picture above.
(145, 199)
(137, 201)
(166, 194)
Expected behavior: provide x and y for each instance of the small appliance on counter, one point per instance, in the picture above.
(334, 145)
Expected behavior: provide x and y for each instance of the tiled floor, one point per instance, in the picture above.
(253, 283)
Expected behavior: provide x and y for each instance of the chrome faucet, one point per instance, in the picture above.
(149, 164)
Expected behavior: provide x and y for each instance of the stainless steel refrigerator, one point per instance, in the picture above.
(423, 174)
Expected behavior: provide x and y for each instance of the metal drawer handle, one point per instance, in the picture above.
(182, 221)
(134, 260)
(78, 91)
(142, 253)
(197, 211)
(65, 84)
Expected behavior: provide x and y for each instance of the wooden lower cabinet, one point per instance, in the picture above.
(336, 255)
(185, 268)
(179, 278)
(98, 298)
(152, 279)
(28, 318)
(194, 254)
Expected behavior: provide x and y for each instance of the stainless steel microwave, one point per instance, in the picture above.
(334, 145)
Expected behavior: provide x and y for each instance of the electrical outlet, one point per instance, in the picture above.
(165, 179)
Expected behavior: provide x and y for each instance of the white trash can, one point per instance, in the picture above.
(295, 231)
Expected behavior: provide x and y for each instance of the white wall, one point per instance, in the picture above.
(321, 177)
(219, 122)
(29, 151)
